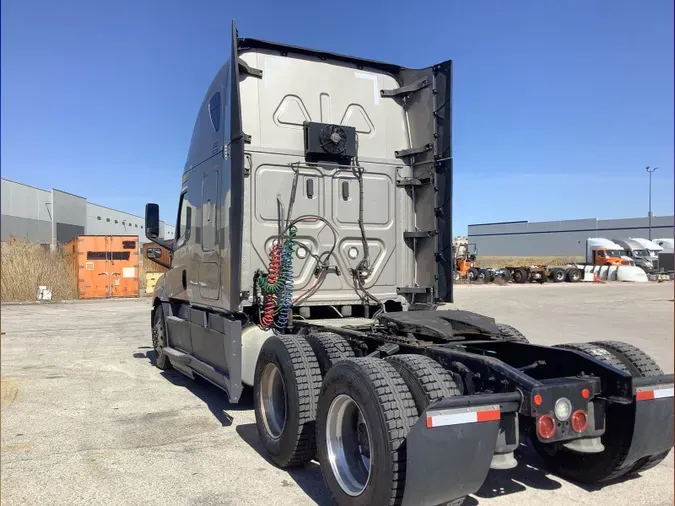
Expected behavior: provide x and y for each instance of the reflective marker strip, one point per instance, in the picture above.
(460, 416)
(655, 392)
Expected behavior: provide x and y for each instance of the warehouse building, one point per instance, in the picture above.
(560, 238)
(54, 216)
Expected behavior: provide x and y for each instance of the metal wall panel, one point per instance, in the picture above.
(26, 229)
(37, 215)
(559, 238)
(23, 201)
(105, 221)
(67, 209)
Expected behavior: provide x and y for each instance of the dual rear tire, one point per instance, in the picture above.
(611, 463)
(354, 413)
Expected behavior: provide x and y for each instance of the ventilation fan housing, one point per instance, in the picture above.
(329, 142)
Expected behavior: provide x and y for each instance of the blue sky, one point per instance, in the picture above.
(558, 106)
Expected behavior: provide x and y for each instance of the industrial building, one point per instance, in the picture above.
(54, 216)
(560, 238)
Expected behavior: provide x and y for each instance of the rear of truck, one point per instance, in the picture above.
(369, 206)
(349, 169)
(334, 198)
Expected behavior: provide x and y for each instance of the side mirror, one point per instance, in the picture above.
(153, 253)
(151, 221)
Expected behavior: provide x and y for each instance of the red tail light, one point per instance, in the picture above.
(546, 427)
(579, 421)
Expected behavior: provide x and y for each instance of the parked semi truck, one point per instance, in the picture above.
(639, 254)
(600, 252)
(313, 245)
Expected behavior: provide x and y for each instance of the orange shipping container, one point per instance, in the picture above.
(106, 265)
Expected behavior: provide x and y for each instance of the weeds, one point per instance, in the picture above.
(26, 266)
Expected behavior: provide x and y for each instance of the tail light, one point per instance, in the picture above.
(579, 421)
(546, 427)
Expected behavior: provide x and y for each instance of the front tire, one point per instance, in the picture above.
(159, 339)
(286, 391)
(364, 415)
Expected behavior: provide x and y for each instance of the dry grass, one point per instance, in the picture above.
(26, 266)
(497, 262)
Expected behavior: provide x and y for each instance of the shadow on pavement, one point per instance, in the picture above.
(308, 478)
(530, 473)
(214, 398)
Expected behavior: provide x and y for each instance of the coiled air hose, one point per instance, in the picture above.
(277, 285)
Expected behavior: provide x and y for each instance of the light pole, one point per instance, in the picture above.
(651, 171)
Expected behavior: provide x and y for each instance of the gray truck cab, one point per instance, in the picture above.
(640, 255)
(353, 155)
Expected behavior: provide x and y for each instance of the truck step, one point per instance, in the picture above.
(177, 356)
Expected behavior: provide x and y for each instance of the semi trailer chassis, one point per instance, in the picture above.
(618, 417)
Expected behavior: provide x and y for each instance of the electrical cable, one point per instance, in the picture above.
(277, 285)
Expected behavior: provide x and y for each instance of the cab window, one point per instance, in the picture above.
(184, 225)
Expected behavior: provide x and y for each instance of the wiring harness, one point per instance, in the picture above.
(276, 286)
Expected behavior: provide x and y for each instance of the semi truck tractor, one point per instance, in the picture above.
(313, 248)
(639, 254)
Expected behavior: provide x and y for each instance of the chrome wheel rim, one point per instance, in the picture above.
(272, 397)
(349, 445)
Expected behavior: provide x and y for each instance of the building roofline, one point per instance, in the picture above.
(497, 223)
(24, 184)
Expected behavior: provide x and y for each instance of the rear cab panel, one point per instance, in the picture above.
(274, 108)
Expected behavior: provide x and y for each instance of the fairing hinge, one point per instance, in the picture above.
(419, 234)
(411, 182)
(413, 151)
(403, 290)
(405, 90)
(245, 69)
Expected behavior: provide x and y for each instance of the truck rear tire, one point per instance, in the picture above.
(509, 333)
(597, 352)
(329, 348)
(520, 276)
(557, 275)
(426, 379)
(610, 464)
(484, 276)
(286, 391)
(365, 412)
(472, 274)
(159, 339)
(574, 275)
(641, 365)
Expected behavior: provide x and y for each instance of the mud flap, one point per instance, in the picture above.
(653, 431)
(450, 448)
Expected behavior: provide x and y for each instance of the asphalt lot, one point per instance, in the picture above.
(86, 418)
